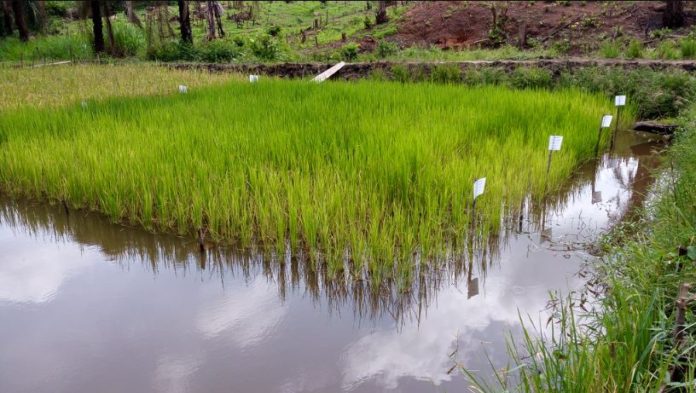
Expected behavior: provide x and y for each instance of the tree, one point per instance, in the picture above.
(185, 22)
(20, 17)
(42, 16)
(673, 15)
(381, 13)
(7, 17)
(132, 16)
(97, 26)
(214, 16)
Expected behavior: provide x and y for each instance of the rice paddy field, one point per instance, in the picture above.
(366, 177)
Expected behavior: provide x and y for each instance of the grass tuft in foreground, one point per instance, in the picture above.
(379, 170)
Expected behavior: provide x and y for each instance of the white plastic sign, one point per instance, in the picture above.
(606, 121)
(620, 100)
(479, 187)
(84, 104)
(555, 142)
(253, 78)
(183, 89)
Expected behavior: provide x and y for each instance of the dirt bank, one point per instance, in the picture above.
(354, 71)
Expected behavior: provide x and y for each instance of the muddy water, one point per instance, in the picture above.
(87, 306)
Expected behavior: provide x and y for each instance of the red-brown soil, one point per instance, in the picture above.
(580, 25)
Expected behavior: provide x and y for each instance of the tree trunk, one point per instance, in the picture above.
(381, 13)
(132, 16)
(109, 29)
(20, 17)
(673, 16)
(43, 17)
(218, 18)
(7, 17)
(185, 22)
(97, 26)
(210, 16)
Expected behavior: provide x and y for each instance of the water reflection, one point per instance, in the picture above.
(84, 303)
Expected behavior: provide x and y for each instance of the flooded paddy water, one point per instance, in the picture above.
(89, 306)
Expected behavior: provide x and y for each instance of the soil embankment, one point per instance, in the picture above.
(354, 71)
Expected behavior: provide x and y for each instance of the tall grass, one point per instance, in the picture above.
(378, 170)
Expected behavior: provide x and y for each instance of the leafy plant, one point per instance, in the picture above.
(349, 52)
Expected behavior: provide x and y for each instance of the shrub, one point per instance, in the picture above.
(688, 48)
(265, 47)
(128, 39)
(666, 50)
(446, 73)
(609, 50)
(386, 49)
(218, 51)
(400, 73)
(239, 41)
(367, 22)
(273, 31)
(57, 8)
(634, 50)
(531, 78)
(349, 52)
(172, 51)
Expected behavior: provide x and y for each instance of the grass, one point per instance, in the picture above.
(55, 86)
(627, 345)
(375, 168)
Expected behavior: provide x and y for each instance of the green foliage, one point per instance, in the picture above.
(446, 73)
(173, 51)
(273, 31)
(386, 48)
(349, 52)
(610, 50)
(667, 51)
(218, 51)
(660, 33)
(400, 73)
(534, 78)
(561, 47)
(688, 48)
(265, 47)
(634, 50)
(652, 94)
(128, 39)
(57, 8)
(66, 47)
(367, 22)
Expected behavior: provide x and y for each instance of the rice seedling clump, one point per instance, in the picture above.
(372, 172)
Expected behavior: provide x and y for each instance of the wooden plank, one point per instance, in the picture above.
(328, 73)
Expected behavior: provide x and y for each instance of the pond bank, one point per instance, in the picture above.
(352, 71)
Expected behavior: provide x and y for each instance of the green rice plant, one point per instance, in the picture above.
(378, 169)
(69, 84)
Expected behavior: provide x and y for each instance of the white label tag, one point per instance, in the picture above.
(555, 142)
(479, 187)
(620, 100)
(606, 121)
(84, 104)
(253, 78)
(183, 89)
